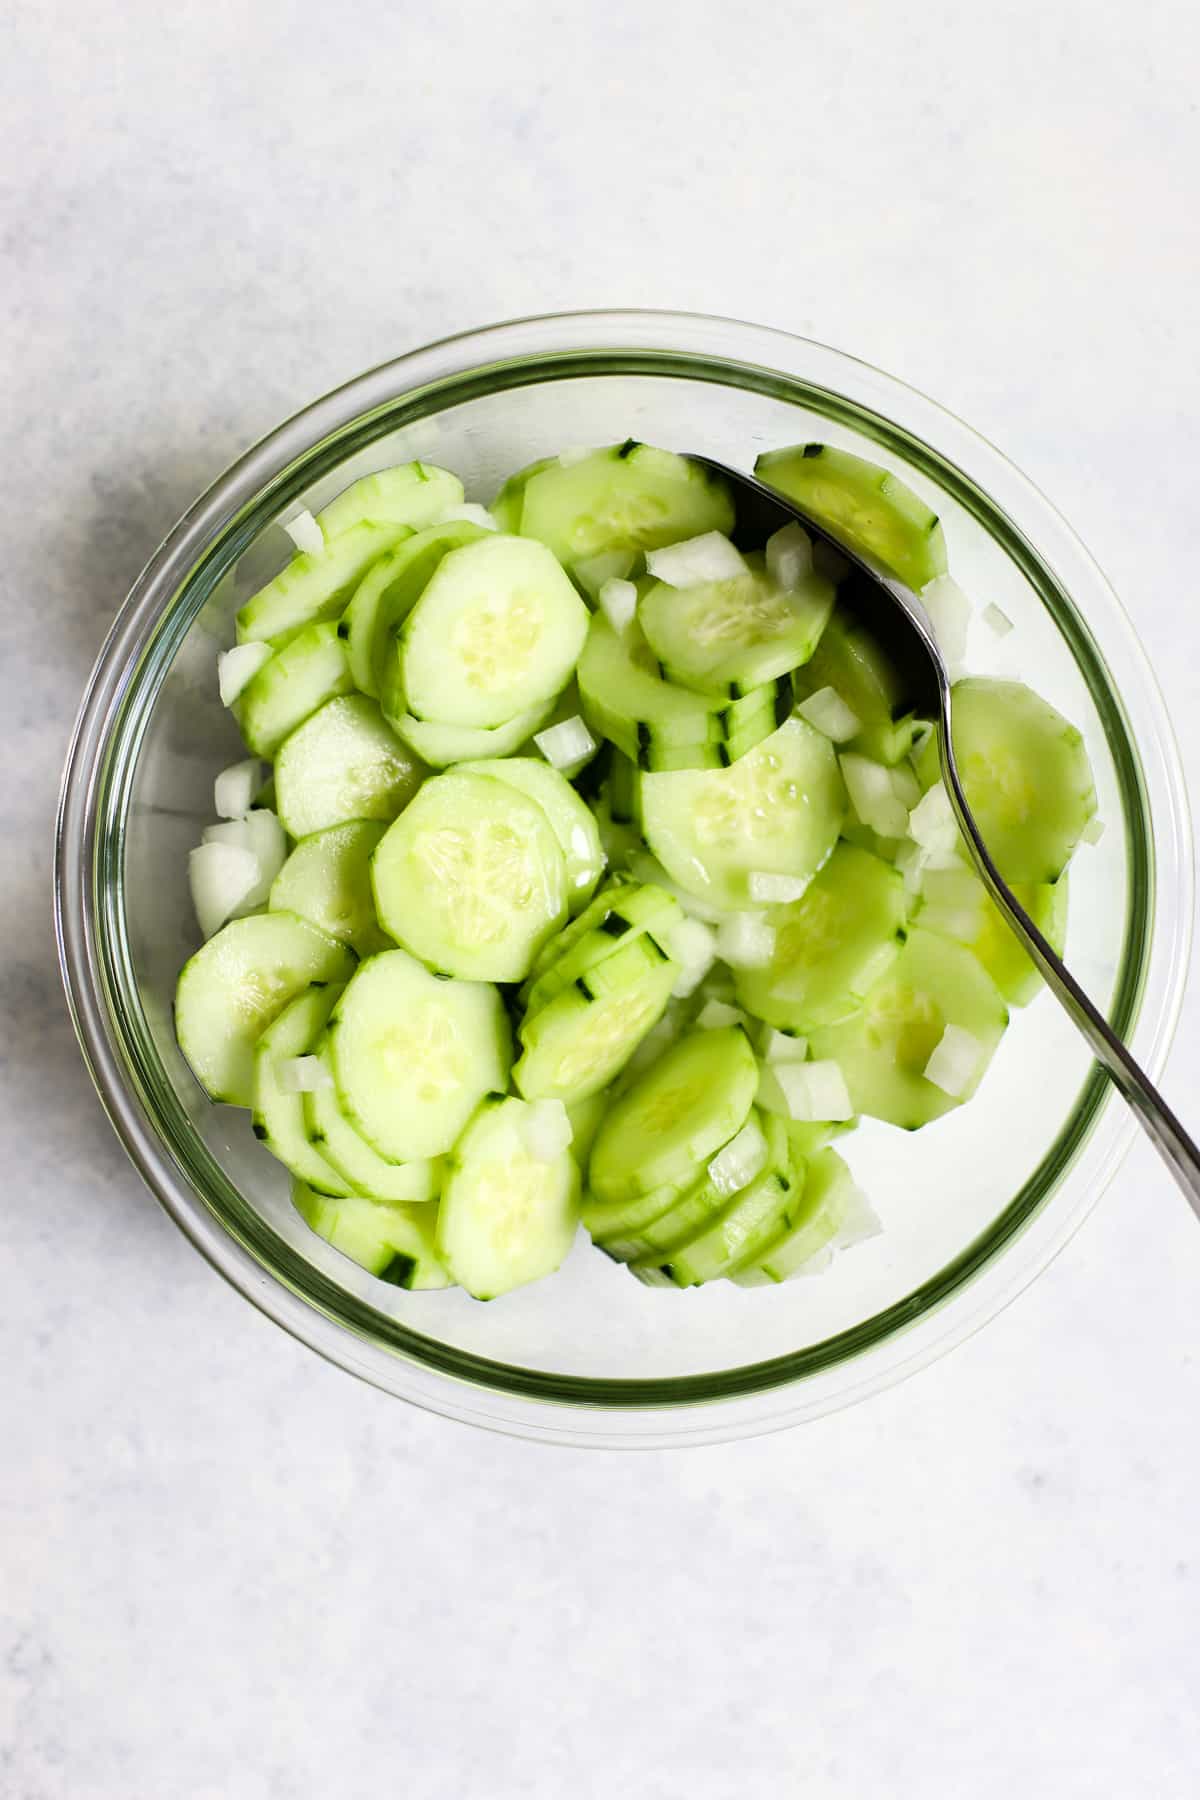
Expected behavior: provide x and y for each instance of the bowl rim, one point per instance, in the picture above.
(693, 1408)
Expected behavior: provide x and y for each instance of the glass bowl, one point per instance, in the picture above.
(972, 1208)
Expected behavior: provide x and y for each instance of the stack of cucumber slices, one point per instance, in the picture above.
(590, 864)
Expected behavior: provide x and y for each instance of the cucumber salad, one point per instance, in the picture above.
(590, 864)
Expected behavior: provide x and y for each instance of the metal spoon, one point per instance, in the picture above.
(898, 617)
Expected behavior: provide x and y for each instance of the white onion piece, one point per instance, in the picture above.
(567, 743)
(743, 1157)
(693, 945)
(1093, 831)
(546, 1130)
(715, 1015)
(910, 861)
(236, 668)
(303, 1075)
(955, 1061)
(949, 613)
(872, 795)
(745, 941)
(618, 603)
(789, 556)
(932, 823)
(768, 889)
(814, 1091)
(859, 1221)
(471, 512)
(709, 557)
(304, 532)
(261, 833)
(220, 877)
(997, 621)
(235, 788)
(781, 1046)
(905, 785)
(828, 713)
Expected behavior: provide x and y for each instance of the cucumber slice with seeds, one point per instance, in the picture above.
(314, 588)
(569, 818)
(507, 1217)
(729, 637)
(300, 678)
(327, 880)
(278, 1113)
(412, 494)
(572, 1047)
(628, 497)
(471, 878)
(236, 983)
(392, 1241)
(332, 1134)
(863, 506)
(387, 594)
(344, 763)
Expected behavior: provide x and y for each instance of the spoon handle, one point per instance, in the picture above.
(1164, 1130)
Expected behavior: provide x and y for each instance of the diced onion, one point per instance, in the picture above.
(768, 889)
(781, 1046)
(235, 788)
(859, 1221)
(910, 861)
(949, 613)
(743, 1157)
(618, 603)
(304, 532)
(575, 453)
(709, 557)
(715, 1015)
(789, 556)
(471, 512)
(955, 1062)
(693, 945)
(745, 941)
(237, 667)
(220, 876)
(814, 1091)
(997, 621)
(263, 836)
(905, 785)
(932, 823)
(872, 795)
(828, 713)
(303, 1075)
(567, 743)
(546, 1130)
(1093, 831)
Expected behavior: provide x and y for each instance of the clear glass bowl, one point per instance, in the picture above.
(972, 1208)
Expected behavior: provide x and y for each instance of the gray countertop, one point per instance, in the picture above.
(227, 1571)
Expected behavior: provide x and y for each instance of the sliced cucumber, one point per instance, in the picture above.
(831, 945)
(620, 918)
(309, 670)
(830, 1204)
(506, 507)
(441, 746)
(1026, 773)
(610, 1222)
(332, 1134)
(413, 494)
(629, 497)
(776, 811)
(393, 1241)
(471, 878)
(278, 1113)
(387, 594)
(572, 1047)
(955, 903)
(667, 1125)
(344, 763)
(746, 1225)
(569, 817)
(883, 1051)
(414, 1055)
(506, 1216)
(497, 630)
(849, 660)
(585, 1116)
(590, 919)
(728, 637)
(234, 986)
(702, 1205)
(316, 587)
(863, 506)
(327, 880)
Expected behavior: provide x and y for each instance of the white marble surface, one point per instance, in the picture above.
(227, 1572)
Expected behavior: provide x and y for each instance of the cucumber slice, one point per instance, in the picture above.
(387, 594)
(441, 746)
(506, 507)
(471, 878)
(884, 1049)
(956, 904)
(573, 1047)
(497, 630)
(777, 811)
(728, 637)
(831, 1207)
(234, 986)
(414, 1055)
(584, 1117)
(316, 587)
(392, 1241)
(831, 945)
(628, 497)
(849, 660)
(668, 1125)
(863, 506)
(1026, 773)
(411, 494)
(569, 818)
(330, 1132)
(621, 918)
(610, 1222)
(702, 1205)
(278, 1114)
(344, 763)
(506, 1217)
(625, 699)
(308, 671)
(327, 880)
(591, 918)
(748, 1223)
